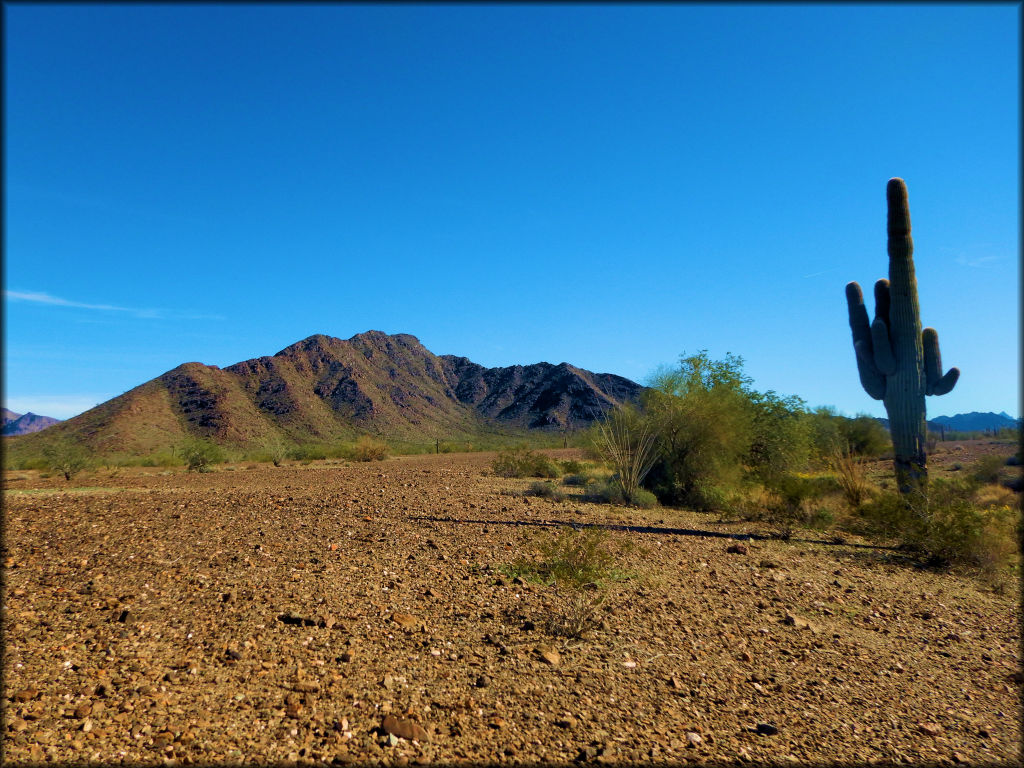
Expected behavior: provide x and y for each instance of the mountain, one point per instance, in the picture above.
(975, 421)
(24, 424)
(323, 389)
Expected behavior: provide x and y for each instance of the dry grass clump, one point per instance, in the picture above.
(520, 461)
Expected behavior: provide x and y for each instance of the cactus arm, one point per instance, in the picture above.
(870, 377)
(880, 342)
(937, 383)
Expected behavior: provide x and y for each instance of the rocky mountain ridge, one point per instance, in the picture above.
(323, 389)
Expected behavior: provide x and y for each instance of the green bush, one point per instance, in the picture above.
(66, 457)
(572, 467)
(716, 433)
(201, 455)
(520, 461)
(610, 492)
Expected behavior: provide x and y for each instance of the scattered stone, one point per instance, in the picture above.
(306, 686)
(483, 681)
(693, 739)
(738, 548)
(766, 729)
(566, 722)
(767, 564)
(82, 711)
(549, 655)
(26, 694)
(404, 729)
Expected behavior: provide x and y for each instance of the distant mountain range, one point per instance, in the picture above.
(23, 424)
(969, 422)
(324, 389)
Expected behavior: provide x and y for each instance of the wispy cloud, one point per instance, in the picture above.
(38, 297)
(977, 261)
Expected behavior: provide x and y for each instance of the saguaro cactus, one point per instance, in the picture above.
(899, 363)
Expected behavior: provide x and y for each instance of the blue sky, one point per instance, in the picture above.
(609, 186)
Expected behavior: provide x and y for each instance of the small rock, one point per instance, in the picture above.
(404, 729)
(483, 681)
(766, 729)
(929, 729)
(566, 722)
(549, 655)
(795, 621)
(767, 564)
(404, 620)
(231, 653)
(529, 626)
(82, 711)
(737, 549)
(26, 694)
(306, 686)
(346, 657)
(693, 739)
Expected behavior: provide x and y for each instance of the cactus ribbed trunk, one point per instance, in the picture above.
(905, 387)
(898, 363)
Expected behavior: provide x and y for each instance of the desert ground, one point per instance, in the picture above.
(369, 613)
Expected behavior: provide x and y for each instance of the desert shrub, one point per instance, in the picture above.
(160, 459)
(986, 469)
(368, 448)
(627, 442)
(36, 462)
(610, 492)
(201, 455)
(716, 433)
(947, 525)
(276, 451)
(577, 480)
(862, 435)
(604, 492)
(850, 475)
(572, 467)
(546, 490)
(520, 461)
(308, 452)
(66, 457)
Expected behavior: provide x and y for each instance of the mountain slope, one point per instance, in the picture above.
(974, 421)
(324, 389)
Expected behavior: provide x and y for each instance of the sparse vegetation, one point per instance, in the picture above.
(626, 441)
(520, 461)
(546, 490)
(66, 458)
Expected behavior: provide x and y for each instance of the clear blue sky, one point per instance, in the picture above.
(609, 186)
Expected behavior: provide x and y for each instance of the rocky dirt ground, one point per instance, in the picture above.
(366, 614)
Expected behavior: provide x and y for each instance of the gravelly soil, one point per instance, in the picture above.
(363, 613)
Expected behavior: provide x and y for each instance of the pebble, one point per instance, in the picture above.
(549, 655)
(483, 681)
(929, 729)
(766, 729)
(693, 739)
(737, 549)
(404, 620)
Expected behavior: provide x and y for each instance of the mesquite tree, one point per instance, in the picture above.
(899, 363)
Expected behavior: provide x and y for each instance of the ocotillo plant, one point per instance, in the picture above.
(897, 362)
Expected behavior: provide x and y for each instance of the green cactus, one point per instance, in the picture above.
(899, 363)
